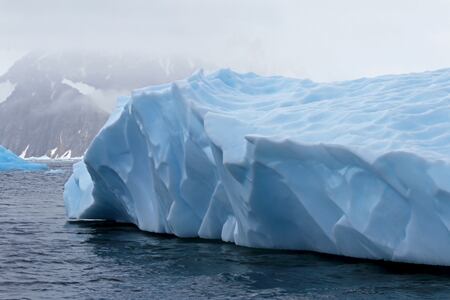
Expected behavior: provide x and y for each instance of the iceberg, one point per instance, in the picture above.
(10, 162)
(357, 168)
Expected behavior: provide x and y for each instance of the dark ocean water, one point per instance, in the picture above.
(44, 257)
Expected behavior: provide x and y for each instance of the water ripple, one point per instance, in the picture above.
(44, 257)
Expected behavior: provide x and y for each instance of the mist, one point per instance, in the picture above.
(322, 40)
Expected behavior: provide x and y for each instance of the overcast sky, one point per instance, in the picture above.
(322, 40)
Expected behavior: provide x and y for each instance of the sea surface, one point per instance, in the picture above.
(42, 256)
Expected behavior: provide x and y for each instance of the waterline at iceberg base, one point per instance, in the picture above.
(357, 168)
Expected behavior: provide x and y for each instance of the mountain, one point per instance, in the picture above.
(53, 104)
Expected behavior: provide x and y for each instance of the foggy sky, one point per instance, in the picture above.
(323, 40)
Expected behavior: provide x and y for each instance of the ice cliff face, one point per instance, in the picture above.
(357, 168)
(10, 162)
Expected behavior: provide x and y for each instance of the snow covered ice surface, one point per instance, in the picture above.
(358, 168)
(9, 162)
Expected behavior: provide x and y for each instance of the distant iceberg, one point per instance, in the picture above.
(357, 168)
(9, 162)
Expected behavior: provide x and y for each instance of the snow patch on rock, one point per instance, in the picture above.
(104, 99)
(6, 89)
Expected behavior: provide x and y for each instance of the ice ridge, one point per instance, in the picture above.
(358, 168)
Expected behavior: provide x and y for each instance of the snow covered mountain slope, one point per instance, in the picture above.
(357, 168)
(9, 162)
(53, 104)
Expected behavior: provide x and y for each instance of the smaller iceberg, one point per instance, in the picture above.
(9, 162)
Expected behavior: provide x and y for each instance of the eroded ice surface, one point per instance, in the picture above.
(358, 168)
(9, 161)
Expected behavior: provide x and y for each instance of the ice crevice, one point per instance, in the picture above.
(356, 168)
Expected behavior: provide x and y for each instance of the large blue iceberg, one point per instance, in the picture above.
(358, 168)
(10, 162)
